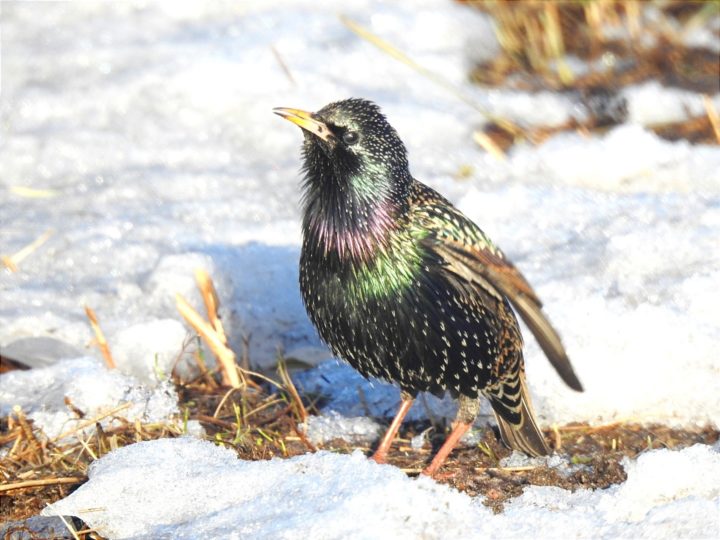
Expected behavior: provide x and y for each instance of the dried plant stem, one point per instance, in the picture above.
(100, 337)
(713, 116)
(303, 437)
(11, 262)
(489, 145)
(507, 469)
(283, 65)
(215, 421)
(558, 438)
(586, 429)
(92, 421)
(69, 527)
(27, 434)
(221, 351)
(42, 482)
(290, 386)
(210, 297)
(222, 402)
(397, 54)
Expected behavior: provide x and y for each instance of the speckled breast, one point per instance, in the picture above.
(423, 333)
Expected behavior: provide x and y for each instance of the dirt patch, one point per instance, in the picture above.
(594, 456)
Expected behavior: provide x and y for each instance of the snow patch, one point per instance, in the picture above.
(182, 488)
(90, 387)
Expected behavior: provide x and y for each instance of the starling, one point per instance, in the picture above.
(404, 287)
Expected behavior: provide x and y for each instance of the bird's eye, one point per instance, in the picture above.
(350, 137)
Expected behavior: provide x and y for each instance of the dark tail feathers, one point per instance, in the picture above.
(518, 427)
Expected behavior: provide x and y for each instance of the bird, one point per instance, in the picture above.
(407, 289)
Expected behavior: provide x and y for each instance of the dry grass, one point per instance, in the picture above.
(12, 262)
(256, 422)
(620, 47)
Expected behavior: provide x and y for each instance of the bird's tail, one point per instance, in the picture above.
(516, 420)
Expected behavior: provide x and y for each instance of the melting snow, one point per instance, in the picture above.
(185, 488)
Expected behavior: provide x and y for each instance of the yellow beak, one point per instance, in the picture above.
(306, 121)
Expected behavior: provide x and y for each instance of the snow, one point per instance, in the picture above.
(41, 393)
(356, 430)
(347, 392)
(185, 488)
(146, 131)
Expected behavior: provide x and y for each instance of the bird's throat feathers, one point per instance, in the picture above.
(350, 208)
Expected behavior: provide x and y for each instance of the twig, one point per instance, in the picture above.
(274, 416)
(290, 386)
(489, 145)
(87, 448)
(12, 261)
(26, 431)
(258, 375)
(222, 402)
(100, 337)
(215, 421)
(506, 469)
(558, 438)
(205, 373)
(42, 482)
(224, 355)
(245, 356)
(210, 297)
(264, 406)
(33, 193)
(406, 448)
(397, 54)
(68, 526)
(593, 429)
(302, 436)
(713, 116)
(283, 65)
(92, 421)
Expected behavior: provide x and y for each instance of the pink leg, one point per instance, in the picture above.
(380, 454)
(459, 429)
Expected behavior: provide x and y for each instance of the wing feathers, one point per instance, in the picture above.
(498, 276)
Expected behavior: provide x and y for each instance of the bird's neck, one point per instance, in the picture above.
(350, 216)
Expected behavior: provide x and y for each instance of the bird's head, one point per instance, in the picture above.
(356, 176)
(354, 138)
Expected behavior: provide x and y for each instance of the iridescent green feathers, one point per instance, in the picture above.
(402, 285)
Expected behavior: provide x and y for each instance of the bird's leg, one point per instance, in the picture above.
(459, 429)
(380, 454)
(467, 411)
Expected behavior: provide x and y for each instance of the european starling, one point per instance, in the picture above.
(404, 287)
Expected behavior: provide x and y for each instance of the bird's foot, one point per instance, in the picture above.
(459, 429)
(430, 470)
(446, 475)
(379, 457)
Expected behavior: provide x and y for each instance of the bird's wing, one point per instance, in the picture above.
(468, 254)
